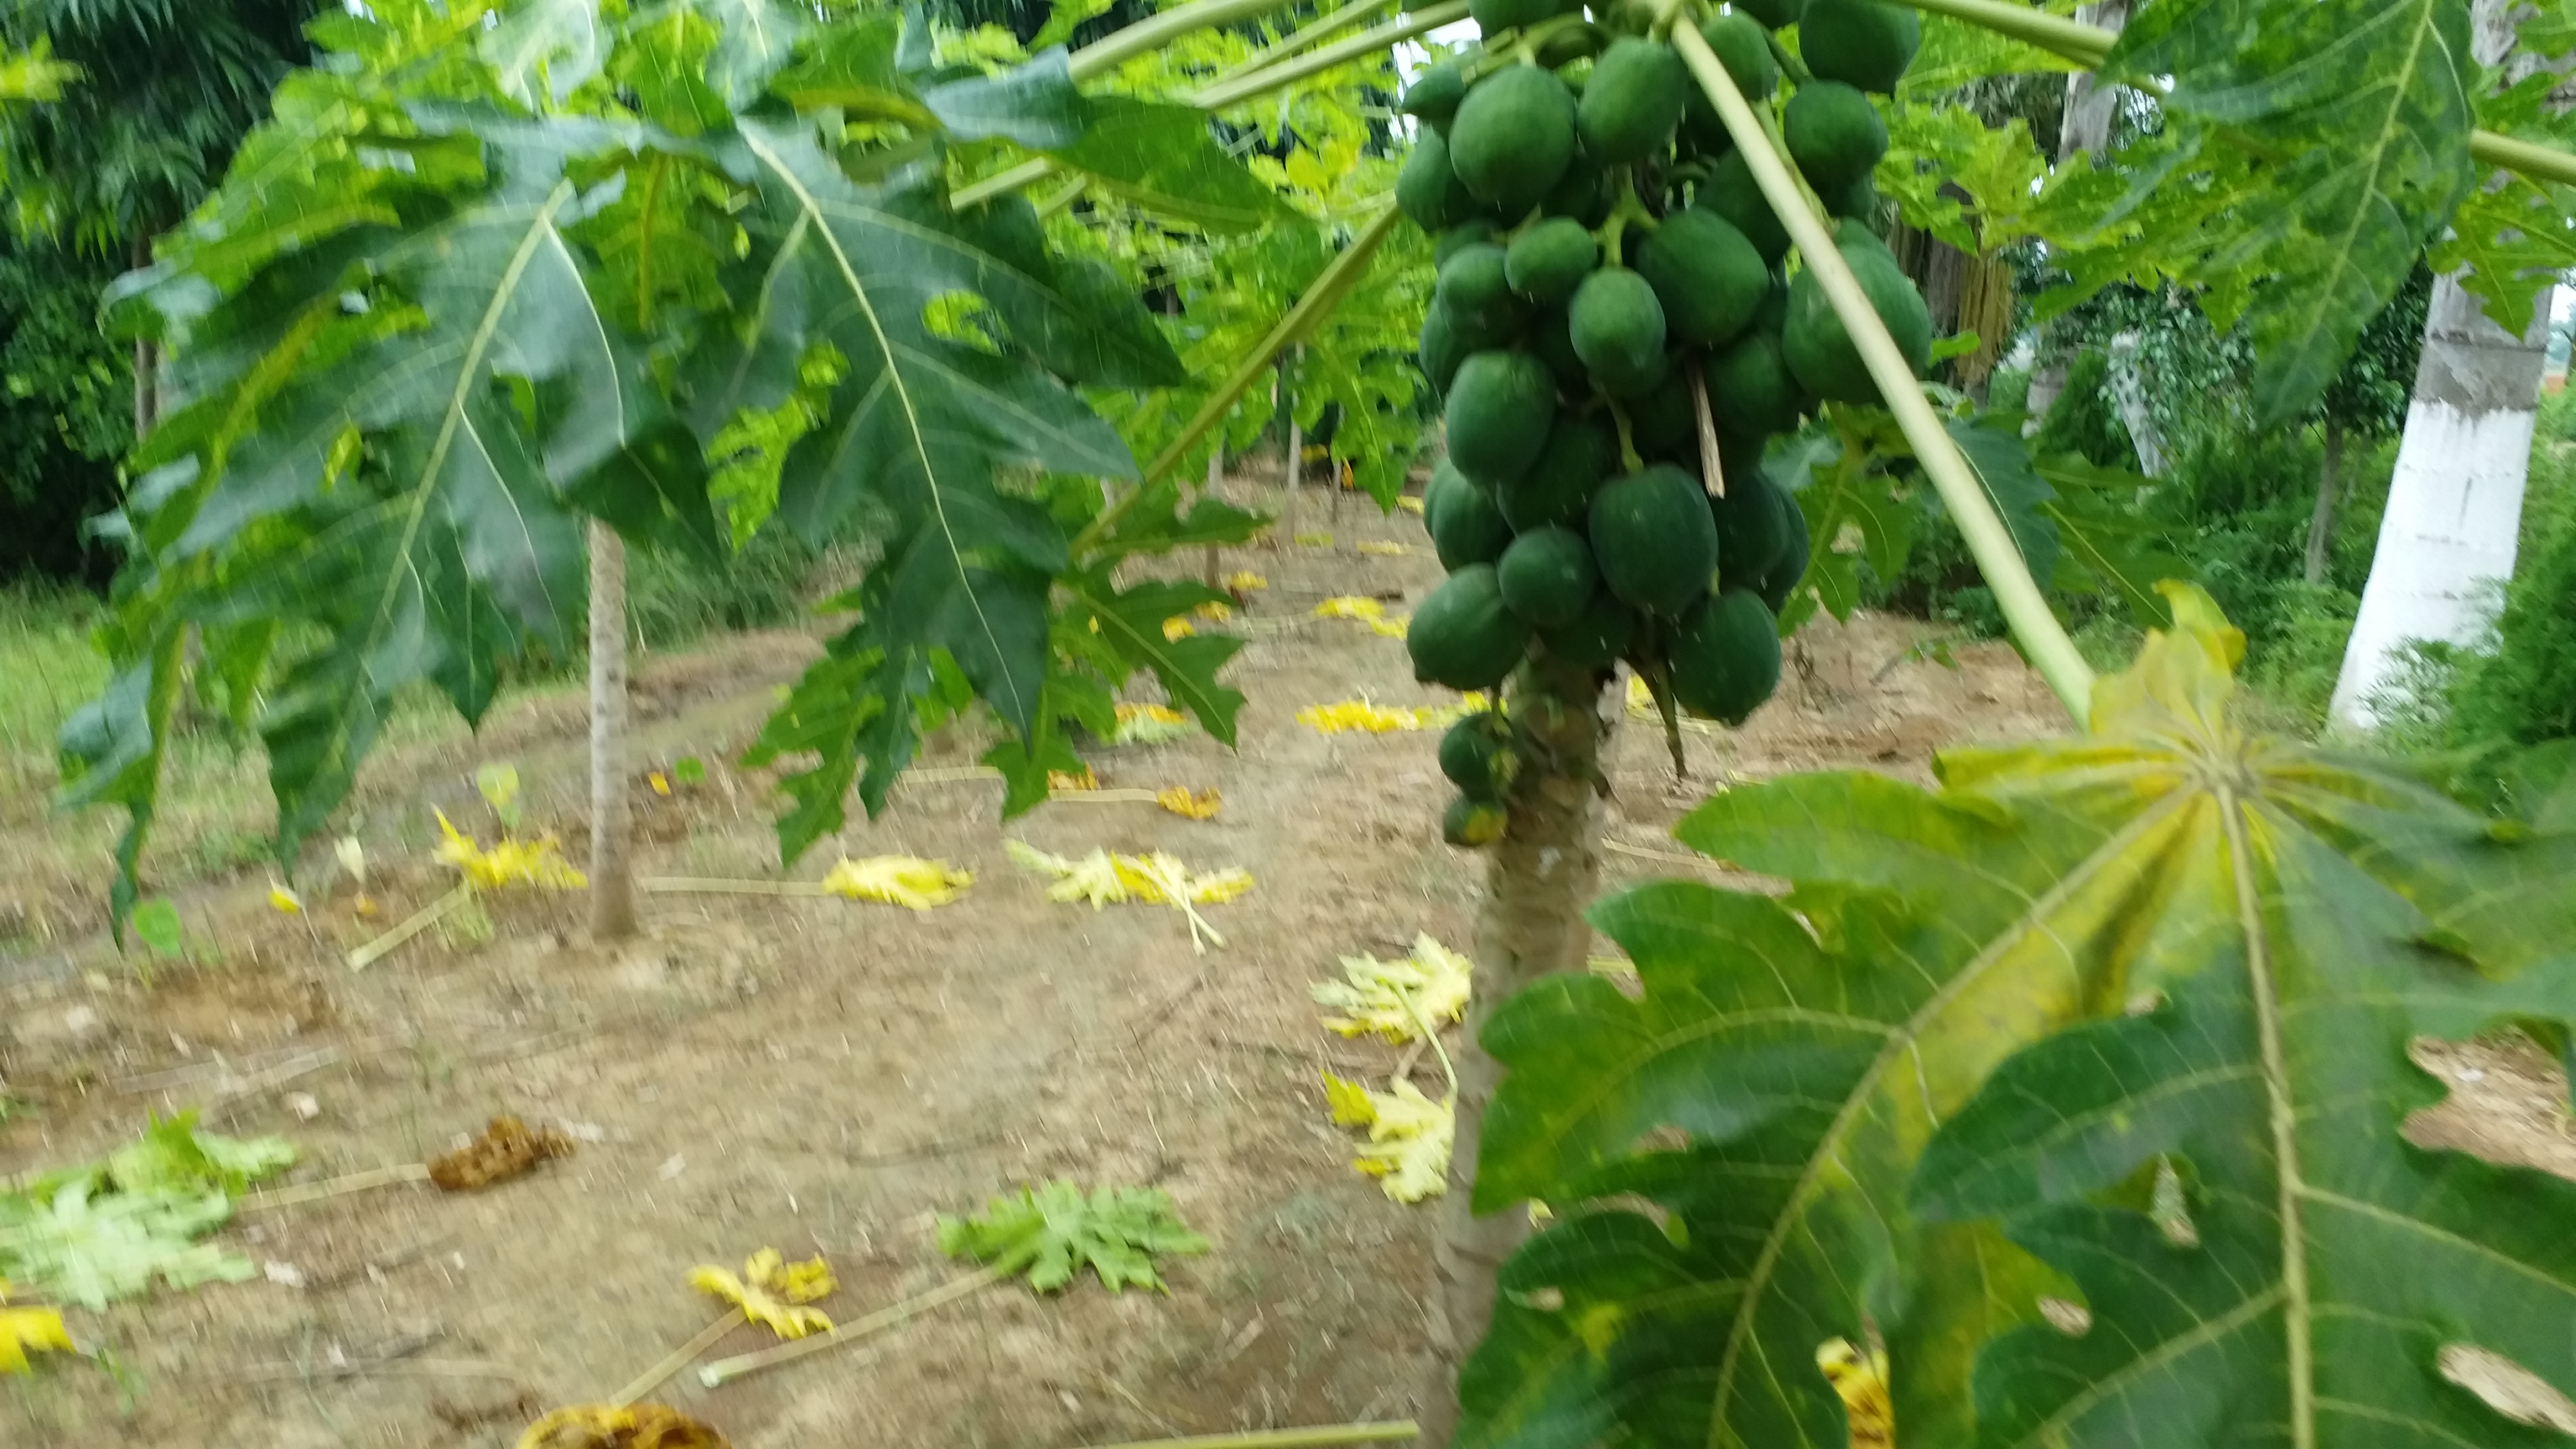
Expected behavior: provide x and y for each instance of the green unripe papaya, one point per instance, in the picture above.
(1781, 579)
(1775, 306)
(1476, 291)
(1821, 354)
(1584, 192)
(1476, 754)
(1557, 490)
(1725, 656)
(1856, 202)
(1653, 539)
(1441, 353)
(1513, 137)
(1549, 260)
(1709, 279)
(1428, 191)
(1462, 635)
(1473, 824)
(1664, 423)
(1597, 636)
(1773, 13)
(1618, 330)
(1547, 576)
(1862, 43)
(1750, 524)
(1494, 16)
(1572, 43)
(1465, 234)
(1834, 134)
(1500, 406)
(1632, 102)
(1750, 391)
(1549, 339)
(1435, 94)
(1466, 528)
(1730, 192)
(1745, 52)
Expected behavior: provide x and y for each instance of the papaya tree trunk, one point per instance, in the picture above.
(1542, 876)
(612, 888)
(2321, 522)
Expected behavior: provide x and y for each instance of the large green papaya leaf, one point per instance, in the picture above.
(1732, 1150)
(2307, 1266)
(2362, 108)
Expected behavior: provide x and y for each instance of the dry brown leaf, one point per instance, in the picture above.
(506, 1149)
(600, 1426)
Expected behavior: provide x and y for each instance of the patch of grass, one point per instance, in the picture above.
(52, 669)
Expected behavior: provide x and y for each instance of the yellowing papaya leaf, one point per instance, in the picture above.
(1155, 879)
(771, 1293)
(614, 1426)
(1314, 540)
(1860, 1381)
(1409, 503)
(1395, 628)
(1193, 805)
(25, 1331)
(1148, 724)
(1349, 1102)
(1409, 1135)
(660, 782)
(1215, 611)
(1382, 548)
(1359, 714)
(1094, 878)
(898, 880)
(1245, 581)
(1350, 606)
(1392, 997)
(508, 862)
(284, 901)
(1178, 627)
(1082, 779)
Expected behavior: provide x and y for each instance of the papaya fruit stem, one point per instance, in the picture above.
(1628, 210)
(1790, 65)
(1634, 461)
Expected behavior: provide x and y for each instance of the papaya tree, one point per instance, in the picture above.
(2059, 1104)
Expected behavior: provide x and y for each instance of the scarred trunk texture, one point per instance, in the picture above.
(1543, 875)
(612, 888)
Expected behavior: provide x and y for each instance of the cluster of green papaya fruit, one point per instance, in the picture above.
(1606, 261)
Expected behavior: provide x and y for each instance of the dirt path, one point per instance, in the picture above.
(824, 1077)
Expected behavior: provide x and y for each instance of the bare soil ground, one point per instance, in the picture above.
(823, 1077)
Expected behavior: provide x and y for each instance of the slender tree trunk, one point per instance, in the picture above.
(2455, 502)
(2321, 522)
(1543, 874)
(612, 888)
(2129, 395)
(1296, 454)
(1215, 476)
(2091, 102)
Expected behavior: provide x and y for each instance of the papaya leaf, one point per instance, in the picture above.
(1131, 622)
(1161, 156)
(2361, 110)
(2319, 1264)
(2002, 463)
(1733, 1154)
(755, 40)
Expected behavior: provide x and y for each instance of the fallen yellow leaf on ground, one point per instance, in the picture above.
(1409, 1135)
(1157, 879)
(1073, 780)
(1359, 714)
(1245, 581)
(1351, 606)
(1181, 800)
(1215, 611)
(1177, 627)
(898, 880)
(1395, 628)
(660, 782)
(1314, 540)
(604, 1426)
(1394, 998)
(770, 1291)
(25, 1331)
(285, 901)
(1146, 724)
(1409, 503)
(1382, 548)
(508, 862)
